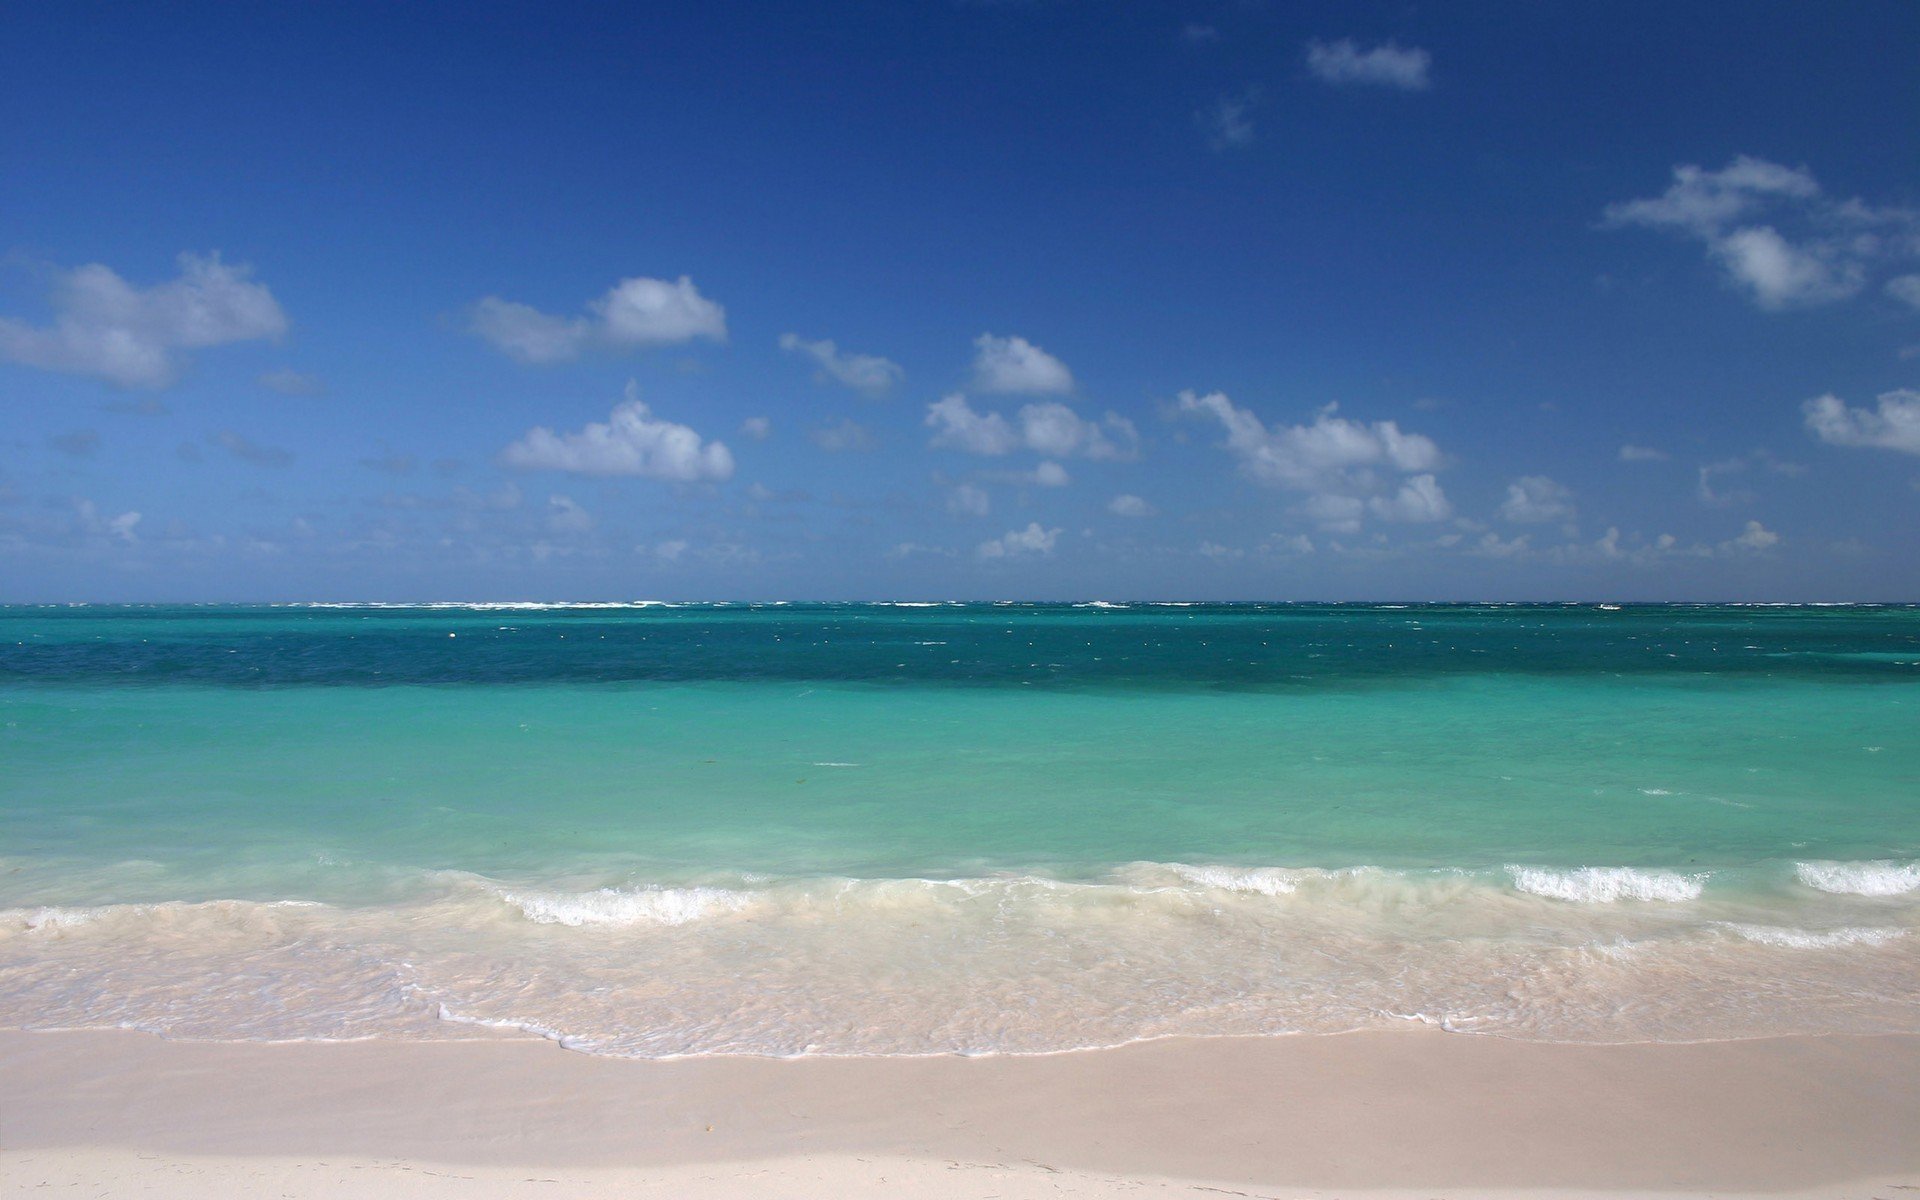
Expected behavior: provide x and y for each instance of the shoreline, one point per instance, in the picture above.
(1381, 1112)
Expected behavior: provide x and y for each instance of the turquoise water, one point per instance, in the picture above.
(893, 829)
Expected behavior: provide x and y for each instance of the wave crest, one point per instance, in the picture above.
(1879, 878)
(1605, 885)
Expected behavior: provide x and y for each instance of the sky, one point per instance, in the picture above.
(1063, 299)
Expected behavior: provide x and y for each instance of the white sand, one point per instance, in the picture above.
(1399, 1114)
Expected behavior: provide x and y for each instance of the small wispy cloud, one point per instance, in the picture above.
(1389, 65)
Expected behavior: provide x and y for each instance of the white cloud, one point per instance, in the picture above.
(1755, 537)
(1199, 35)
(756, 428)
(670, 550)
(565, 516)
(968, 500)
(1051, 474)
(1535, 498)
(120, 527)
(1227, 125)
(866, 372)
(1031, 540)
(632, 441)
(1013, 364)
(1048, 427)
(1702, 202)
(634, 312)
(1216, 551)
(1127, 505)
(960, 427)
(1053, 428)
(1905, 289)
(1386, 65)
(1492, 545)
(845, 434)
(1893, 424)
(1418, 500)
(1780, 274)
(1329, 456)
(106, 328)
(1289, 543)
(1828, 256)
(1642, 454)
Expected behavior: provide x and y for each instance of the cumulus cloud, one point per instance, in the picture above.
(1827, 254)
(1129, 505)
(1346, 465)
(1419, 500)
(1308, 456)
(1642, 454)
(1535, 498)
(632, 441)
(92, 522)
(1048, 427)
(1892, 424)
(1779, 273)
(866, 372)
(1051, 474)
(1013, 364)
(109, 329)
(756, 428)
(1387, 65)
(958, 426)
(1015, 542)
(1755, 537)
(1492, 545)
(1053, 428)
(633, 313)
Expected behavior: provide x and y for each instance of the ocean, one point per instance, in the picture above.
(658, 830)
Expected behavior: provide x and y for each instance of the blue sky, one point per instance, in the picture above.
(989, 300)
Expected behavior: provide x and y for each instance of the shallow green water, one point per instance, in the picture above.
(382, 760)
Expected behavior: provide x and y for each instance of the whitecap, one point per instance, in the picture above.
(1604, 885)
(639, 906)
(1880, 878)
(1811, 939)
(1266, 881)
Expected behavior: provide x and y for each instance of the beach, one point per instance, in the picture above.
(1413, 1113)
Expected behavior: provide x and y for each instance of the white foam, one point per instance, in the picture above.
(639, 906)
(1266, 881)
(34, 920)
(1881, 878)
(1809, 939)
(1604, 885)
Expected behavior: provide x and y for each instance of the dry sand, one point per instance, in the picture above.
(1418, 1113)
